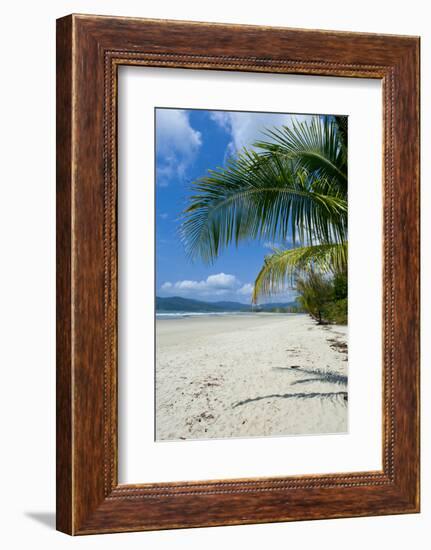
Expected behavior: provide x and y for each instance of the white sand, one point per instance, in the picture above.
(249, 375)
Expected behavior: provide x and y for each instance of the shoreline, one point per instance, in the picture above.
(168, 315)
(249, 375)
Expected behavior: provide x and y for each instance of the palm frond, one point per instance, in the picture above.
(320, 147)
(341, 122)
(261, 197)
(281, 267)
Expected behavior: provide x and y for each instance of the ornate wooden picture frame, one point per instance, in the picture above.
(89, 51)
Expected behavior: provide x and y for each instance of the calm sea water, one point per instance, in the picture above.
(184, 314)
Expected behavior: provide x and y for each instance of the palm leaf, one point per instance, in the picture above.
(320, 147)
(261, 197)
(283, 266)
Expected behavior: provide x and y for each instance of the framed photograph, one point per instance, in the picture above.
(237, 274)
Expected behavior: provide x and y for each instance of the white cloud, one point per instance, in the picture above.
(164, 215)
(190, 285)
(218, 284)
(166, 286)
(177, 144)
(246, 290)
(222, 118)
(221, 280)
(245, 128)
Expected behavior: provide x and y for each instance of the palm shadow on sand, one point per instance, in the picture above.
(318, 376)
(302, 395)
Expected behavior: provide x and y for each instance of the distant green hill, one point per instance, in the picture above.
(178, 304)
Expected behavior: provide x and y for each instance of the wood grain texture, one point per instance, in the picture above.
(64, 495)
(90, 49)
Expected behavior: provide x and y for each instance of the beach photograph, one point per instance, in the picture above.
(251, 287)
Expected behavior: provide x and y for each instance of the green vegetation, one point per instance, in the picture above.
(294, 184)
(325, 299)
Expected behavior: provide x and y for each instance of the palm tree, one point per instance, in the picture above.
(294, 183)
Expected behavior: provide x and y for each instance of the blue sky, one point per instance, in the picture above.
(188, 143)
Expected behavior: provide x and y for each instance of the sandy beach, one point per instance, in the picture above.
(249, 376)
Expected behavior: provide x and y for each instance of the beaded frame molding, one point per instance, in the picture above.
(89, 51)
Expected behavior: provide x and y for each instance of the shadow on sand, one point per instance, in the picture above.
(311, 395)
(319, 375)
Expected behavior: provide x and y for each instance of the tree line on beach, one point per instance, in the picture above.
(290, 188)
